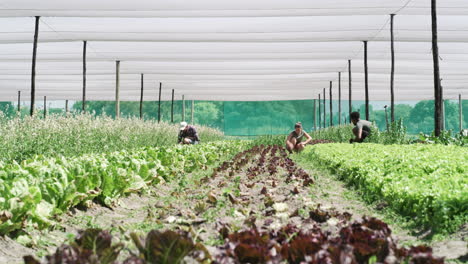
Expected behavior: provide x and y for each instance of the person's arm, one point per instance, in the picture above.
(195, 135)
(309, 138)
(288, 138)
(359, 133)
(180, 137)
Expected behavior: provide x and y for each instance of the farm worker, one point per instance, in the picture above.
(294, 140)
(362, 128)
(188, 134)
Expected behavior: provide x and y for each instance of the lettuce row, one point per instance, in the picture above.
(37, 189)
(428, 183)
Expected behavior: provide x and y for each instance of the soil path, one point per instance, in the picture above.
(205, 202)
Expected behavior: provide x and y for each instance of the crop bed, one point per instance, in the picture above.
(255, 208)
(38, 190)
(427, 183)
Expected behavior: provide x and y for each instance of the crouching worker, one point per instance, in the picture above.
(188, 134)
(294, 140)
(362, 128)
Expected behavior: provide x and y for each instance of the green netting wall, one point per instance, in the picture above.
(266, 118)
(272, 117)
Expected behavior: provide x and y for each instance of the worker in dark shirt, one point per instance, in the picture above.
(188, 134)
(362, 128)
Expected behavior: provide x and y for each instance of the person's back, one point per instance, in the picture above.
(364, 125)
(362, 128)
(188, 134)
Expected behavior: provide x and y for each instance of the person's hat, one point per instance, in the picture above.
(298, 124)
(183, 125)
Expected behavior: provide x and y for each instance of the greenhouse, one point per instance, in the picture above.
(219, 131)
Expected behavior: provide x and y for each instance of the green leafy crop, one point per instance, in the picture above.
(39, 188)
(428, 183)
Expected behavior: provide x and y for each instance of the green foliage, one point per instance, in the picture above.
(39, 188)
(425, 182)
(396, 134)
(23, 138)
(445, 138)
(337, 133)
(269, 140)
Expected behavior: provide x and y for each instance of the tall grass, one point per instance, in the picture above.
(25, 137)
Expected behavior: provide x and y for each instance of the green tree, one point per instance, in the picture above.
(402, 111)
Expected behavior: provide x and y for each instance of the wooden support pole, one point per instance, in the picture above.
(366, 73)
(350, 95)
(319, 110)
(172, 107)
(66, 107)
(438, 121)
(331, 103)
(33, 71)
(315, 114)
(392, 76)
(19, 101)
(159, 104)
(117, 89)
(443, 113)
(183, 108)
(460, 112)
(386, 118)
(84, 76)
(324, 107)
(339, 98)
(193, 109)
(142, 79)
(45, 107)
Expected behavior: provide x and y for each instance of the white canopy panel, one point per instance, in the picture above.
(230, 50)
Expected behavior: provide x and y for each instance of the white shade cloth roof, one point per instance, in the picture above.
(230, 50)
